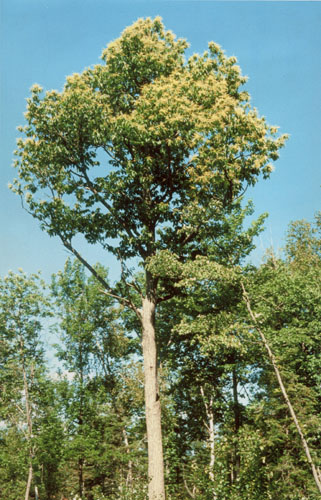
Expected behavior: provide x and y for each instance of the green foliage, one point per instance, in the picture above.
(13, 462)
(286, 300)
(148, 154)
(206, 343)
(147, 147)
(23, 307)
(89, 322)
(257, 449)
(98, 403)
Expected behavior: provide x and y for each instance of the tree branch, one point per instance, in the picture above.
(132, 232)
(191, 494)
(107, 289)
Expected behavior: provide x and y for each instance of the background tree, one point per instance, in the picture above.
(143, 153)
(51, 440)
(94, 350)
(22, 308)
(286, 300)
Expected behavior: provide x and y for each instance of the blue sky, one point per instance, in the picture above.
(277, 45)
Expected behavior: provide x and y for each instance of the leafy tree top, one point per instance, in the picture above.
(22, 307)
(145, 151)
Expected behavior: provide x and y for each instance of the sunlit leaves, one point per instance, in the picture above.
(146, 143)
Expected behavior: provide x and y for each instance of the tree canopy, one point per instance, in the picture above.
(144, 151)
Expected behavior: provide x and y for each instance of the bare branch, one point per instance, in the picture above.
(124, 301)
(108, 152)
(107, 289)
(191, 493)
(20, 409)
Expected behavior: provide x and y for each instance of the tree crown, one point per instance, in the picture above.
(145, 151)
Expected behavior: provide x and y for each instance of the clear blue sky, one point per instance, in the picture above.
(277, 45)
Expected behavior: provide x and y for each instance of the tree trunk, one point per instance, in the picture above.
(129, 478)
(29, 480)
(211, 435)
(29, 419)
(156, 485)
(305, 445)
(211, 441)
(237, 423)
(81, 476)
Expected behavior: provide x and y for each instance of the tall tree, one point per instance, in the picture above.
(22, 306)
(143, 153)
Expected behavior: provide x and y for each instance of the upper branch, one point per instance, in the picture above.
(107, 289)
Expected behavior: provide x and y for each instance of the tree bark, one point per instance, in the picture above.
(129, 478)
(211, 443)
(282, 387)
(156, 485)
(211, 435)
(30, 473)
(237, 423)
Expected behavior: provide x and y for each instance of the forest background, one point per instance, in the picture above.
(300, 184)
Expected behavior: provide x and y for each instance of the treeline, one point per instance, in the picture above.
(227, 430)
